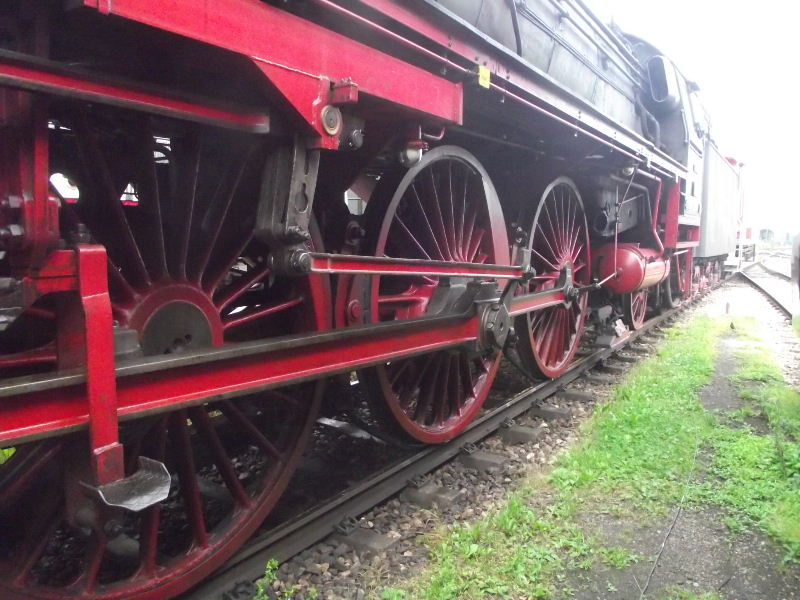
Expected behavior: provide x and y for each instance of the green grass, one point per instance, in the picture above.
(640, 446)
(5, 454)
(637, 455)
(677, 593)
(288, 593)
(757, 477)
(636, 452)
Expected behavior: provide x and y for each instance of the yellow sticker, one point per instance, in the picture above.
(484, 77)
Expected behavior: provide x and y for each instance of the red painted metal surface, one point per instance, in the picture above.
(670, 219)
(280, 45)
(96, 326)
(371, 265)
(189, 256)
(51, 411)
(28, 215)
(528, 303)
(22, 72)
(635, 267)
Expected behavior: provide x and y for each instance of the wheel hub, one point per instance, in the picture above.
(172, 318)
(176, 327)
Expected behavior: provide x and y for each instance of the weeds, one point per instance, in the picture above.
(637, 452)
(5, 454)
(265, 584)
(757, 478)
(677, 593)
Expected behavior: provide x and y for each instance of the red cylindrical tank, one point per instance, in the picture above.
(638, 267)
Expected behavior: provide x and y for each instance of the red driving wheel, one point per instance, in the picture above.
(634, 308)
(559, 237)
(175, 210)
(443, 208)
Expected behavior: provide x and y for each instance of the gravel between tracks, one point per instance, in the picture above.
(336, 571)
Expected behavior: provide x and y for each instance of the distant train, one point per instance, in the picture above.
(209, 209)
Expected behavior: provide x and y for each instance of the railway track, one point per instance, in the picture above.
(315, 524)
(774, 285)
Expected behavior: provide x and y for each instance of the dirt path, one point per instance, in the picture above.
(697, 555)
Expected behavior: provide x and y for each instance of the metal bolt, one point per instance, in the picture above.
(355, 140)
(81, 235)
(113, 528)
(331, 119)
(355, 311)
(12, 202)
(300, 261)
(410, 156)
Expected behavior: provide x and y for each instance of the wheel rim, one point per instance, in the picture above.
(558, 237)
(444, 208)
(214, 505)
(184, 272)
(635, 308)
(671, 286)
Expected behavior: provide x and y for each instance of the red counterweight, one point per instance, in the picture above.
(637, 268)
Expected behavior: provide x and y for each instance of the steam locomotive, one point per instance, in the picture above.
(209, 209)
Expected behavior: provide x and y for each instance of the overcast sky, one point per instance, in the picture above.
(744, 56)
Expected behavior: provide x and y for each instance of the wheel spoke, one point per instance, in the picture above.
(435, 206)
(151, 520)
(424, 408)
(469, 228)
(455, 390)
(547, 262)
(459, 221)
(187, 475)
(474, 244)
(443, 392)
(26, 468)
(220, 267)
(412, 238)
(38, 534)
(222, 461)
(151, 234)
(398, 369)
(465, 372)
(411, 391)
(235, 415)
(236, 289)
(217, 214)
(545, 236)
(187, 166)
(260, 313)
(104, 207)
(95, 551)
(118, 286)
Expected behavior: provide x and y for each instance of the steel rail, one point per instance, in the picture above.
(297, 534)
(785, 310)
(778, 274)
